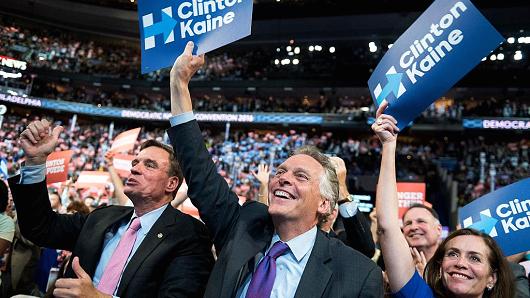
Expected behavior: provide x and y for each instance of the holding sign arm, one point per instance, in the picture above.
(396, 253)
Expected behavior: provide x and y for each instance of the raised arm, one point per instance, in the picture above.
(357, 226)
(263, 177)
(218, 206)
(36, 218)
(398, 260)
(116, 180)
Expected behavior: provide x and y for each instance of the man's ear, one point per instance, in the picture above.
(172, 184)
(324, 207)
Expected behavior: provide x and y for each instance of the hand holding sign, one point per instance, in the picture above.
(385, 126)
(444, 44)
(186, 65)
(38, 140)
(166, 26)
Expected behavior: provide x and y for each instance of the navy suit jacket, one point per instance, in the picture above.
(241, 232)
(174, 259)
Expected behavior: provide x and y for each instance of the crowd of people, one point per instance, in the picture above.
(281, 242)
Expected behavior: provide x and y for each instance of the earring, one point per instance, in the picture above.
(490, 287)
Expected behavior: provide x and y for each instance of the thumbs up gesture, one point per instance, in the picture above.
(80, 287)
(39, 140)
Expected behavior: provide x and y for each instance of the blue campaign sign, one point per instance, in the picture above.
(444, 43)
(503, 214)
(167, 25)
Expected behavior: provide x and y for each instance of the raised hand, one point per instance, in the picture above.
(420, 261)
(109, 158)
(340, 168)
(186, 65)
(38, 140)
(385, 126)
(263, 174)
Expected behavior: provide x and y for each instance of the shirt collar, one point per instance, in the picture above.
(299, 245)
(148, 220)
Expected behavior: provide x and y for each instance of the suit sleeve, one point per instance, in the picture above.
(218, 206)
(359, 237)
(373, 284)
(38, 222)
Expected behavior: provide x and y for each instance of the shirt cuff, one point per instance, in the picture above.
(348, 209)
(181, 118)
(32, 174)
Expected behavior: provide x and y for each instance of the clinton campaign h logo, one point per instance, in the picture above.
(167, 25)
(503, 214)
(393, 86)
(486, 223)
(442, 45)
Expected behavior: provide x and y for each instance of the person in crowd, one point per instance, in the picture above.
(7, 232)
(466, 264)
(352, 228)
(141, 251)
(276, 251)
(422, 229)
(55, 202)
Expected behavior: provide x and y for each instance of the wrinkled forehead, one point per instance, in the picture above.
(303, 162)
(153, 153)
(416, 213)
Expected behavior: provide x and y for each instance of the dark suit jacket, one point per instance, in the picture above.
(241, 232)
(174, 259)
(355, 232)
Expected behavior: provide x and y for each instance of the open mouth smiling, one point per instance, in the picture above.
(282, 194)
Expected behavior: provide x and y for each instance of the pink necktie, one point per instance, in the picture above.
(111, 275)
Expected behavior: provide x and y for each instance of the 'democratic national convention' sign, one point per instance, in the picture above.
(166, 27)
(503, 214)
(444, 43)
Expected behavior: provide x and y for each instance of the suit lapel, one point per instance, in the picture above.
(316, 274)
(159, 231)
(242, 253)
(90, 252)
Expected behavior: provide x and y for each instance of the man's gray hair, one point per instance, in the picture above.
(329, 183)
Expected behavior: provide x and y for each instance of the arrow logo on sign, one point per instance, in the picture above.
(486, 224)
(164, 27)
(392, 86)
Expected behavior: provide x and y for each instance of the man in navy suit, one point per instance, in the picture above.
(146, 251)
(284, 236)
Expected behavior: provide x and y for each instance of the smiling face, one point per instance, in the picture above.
(421, 229)
(294, 192)
(466, 270)
(149, 179)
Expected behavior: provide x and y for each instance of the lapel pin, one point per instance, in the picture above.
(160, 235)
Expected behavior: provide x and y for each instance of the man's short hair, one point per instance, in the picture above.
(329, 183)
(418, 205)
(4, 196)
(174, 166)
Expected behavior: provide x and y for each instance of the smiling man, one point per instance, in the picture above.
(146, 251)
(267, 252)
(422, 229)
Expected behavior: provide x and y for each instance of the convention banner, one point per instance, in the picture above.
(57, 166)
(410, 193)
(97, 179)
(503, 214)
(125, 141)
(447, 41)
(123, 164)
(167, 25)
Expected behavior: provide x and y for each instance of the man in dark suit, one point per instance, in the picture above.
(146, 251)
(267, 252)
